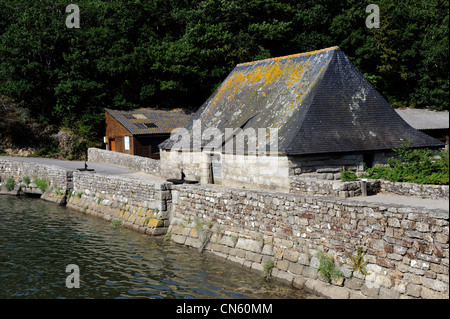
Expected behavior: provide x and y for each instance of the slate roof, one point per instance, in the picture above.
(318, 100)
(149, 121)
(422, 119)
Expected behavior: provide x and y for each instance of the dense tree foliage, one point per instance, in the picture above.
(174, 53)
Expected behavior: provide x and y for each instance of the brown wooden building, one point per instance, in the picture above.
(139, 132)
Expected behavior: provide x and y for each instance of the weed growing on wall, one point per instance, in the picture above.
(116, 223)
(10, 183)
(267, 270)
(357, 263)
(27, 180)
(42, 183)
(327, 268)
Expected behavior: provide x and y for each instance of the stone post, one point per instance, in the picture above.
(205, 169)
(364, 187)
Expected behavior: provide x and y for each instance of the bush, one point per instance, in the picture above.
(422, 166)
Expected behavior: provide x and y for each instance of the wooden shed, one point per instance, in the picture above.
(138, 132)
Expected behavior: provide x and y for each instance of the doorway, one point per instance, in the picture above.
(112, 145)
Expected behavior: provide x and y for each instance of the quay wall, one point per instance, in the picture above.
(139, 204)
(25, 176)
(406, 249)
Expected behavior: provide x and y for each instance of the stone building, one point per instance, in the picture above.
(138, 132)
(275, 118)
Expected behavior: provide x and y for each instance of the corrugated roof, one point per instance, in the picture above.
(149, 121)
(318, 100)
(422, 119)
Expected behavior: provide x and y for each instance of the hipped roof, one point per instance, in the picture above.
(318, 100)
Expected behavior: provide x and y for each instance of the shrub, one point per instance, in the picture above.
(422, 166)
(348, 176)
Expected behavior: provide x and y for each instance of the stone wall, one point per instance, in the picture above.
(406, 249)
(25, 174)
(417, 190)
(332, 188)
(304, 184)
(139, 204)
(331, 164)
(137, 163)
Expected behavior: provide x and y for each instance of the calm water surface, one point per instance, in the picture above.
(38, 240)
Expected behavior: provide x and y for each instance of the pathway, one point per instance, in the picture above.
(100, 168)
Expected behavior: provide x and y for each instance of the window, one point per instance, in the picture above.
(144, 126)
(126, 140)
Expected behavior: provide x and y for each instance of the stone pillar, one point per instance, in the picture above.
(364, 187)
(205, 169)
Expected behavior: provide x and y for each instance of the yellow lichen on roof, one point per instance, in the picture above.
(290, 56)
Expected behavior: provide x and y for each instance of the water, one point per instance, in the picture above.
(38, 240)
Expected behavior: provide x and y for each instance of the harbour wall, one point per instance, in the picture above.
(404, 250)
(138, 204)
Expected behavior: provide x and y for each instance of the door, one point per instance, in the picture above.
(112, 145)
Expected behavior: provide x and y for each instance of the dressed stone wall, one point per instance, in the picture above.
(140, 204)
(406, 248)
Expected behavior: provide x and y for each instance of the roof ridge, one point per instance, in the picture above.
(289, 56)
